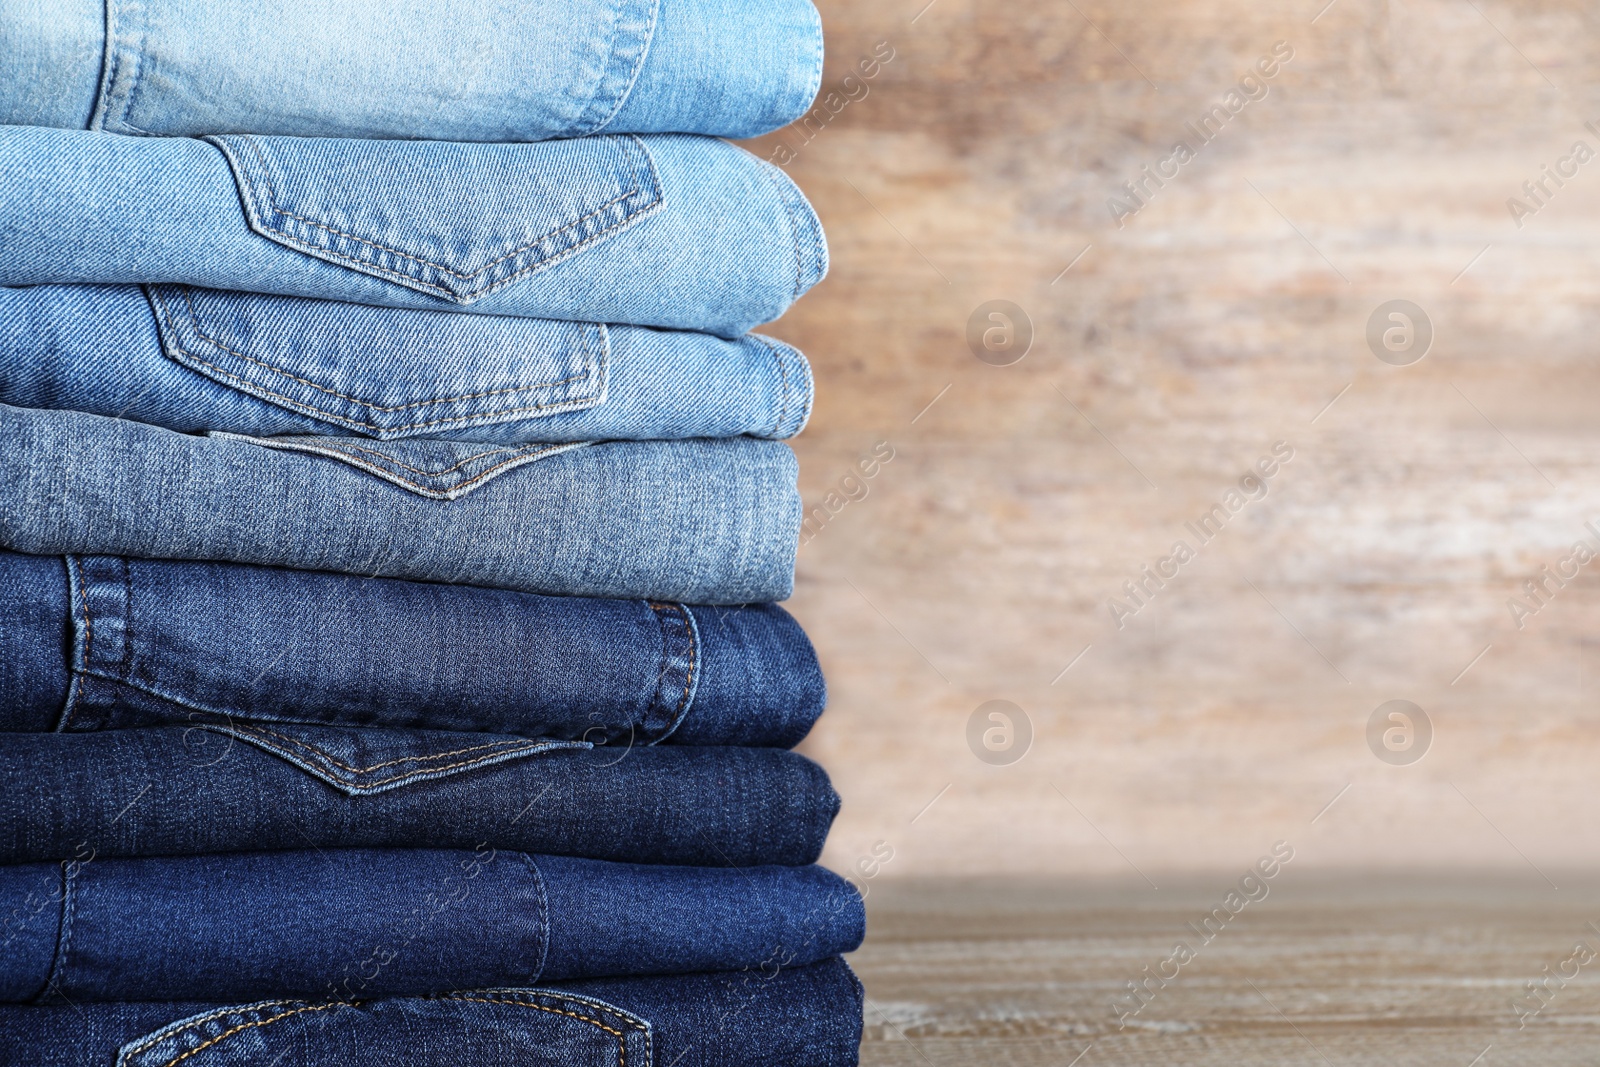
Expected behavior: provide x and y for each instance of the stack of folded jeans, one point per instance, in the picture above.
(392, 503)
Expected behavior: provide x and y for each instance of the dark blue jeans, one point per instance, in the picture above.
(348, 923)
(784, 1017)
(170, 790)
(99, 642)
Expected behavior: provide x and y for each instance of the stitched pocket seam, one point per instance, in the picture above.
(194, 317)
(619, 1034)
(657, 198)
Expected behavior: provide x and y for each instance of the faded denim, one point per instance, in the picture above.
(780, 1017)
(681, 232)
(450, 71)
(171, 791)
(195, 360)
(702, 521)
(104, 642)
(348, 923)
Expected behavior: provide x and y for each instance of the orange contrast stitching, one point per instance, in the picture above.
(246, 1026)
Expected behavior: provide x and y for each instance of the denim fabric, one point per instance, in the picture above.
(197, 359)
(97, 642)
(675, 231)
(408, 68)
(169, 790)
(786, 1017)
(702, 521)
(348, 923)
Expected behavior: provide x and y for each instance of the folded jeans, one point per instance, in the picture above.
(172, 791)
(104, 642)
(688, 233)
(801, 1016)
(409, 68)
(701, 521)
(198, 360)
(359, 923)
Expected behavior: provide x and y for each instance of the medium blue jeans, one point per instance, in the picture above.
(702, 521)
(410, 68)
(195, 360)
(98, 642)
(347, 923)
(791, 1016)
(688, 233)
(171, 791)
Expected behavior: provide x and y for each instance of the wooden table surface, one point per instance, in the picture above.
(1353, 969)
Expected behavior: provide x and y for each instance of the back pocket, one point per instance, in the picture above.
(438, 470)
(383, 372)
(474, 1028)
(457, 221)
(360, 761)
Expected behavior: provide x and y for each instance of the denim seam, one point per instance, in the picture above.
(660, 608)
(127, 618)
(768, 171)
(136, 82)
(200, 331)
(522, 456)
(252, 735)
(438, 473)
(88, 621)
(621, 1036)
(249, 1025)
(161, 1034)
(633, 79)
(64, 934)
(410, 280)
(116, 86)
(779, 358)
(544, 917)
(78, 607)
(390, 763)
(272, 198)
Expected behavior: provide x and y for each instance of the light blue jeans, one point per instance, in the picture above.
(688, 233)
(196, 360)
(702, 521)
(441, 69)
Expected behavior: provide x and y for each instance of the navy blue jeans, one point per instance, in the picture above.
(783, 1017)
(98, 642)
(170, 790)
(349, 923)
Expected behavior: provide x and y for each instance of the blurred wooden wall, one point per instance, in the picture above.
(1223, 316)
